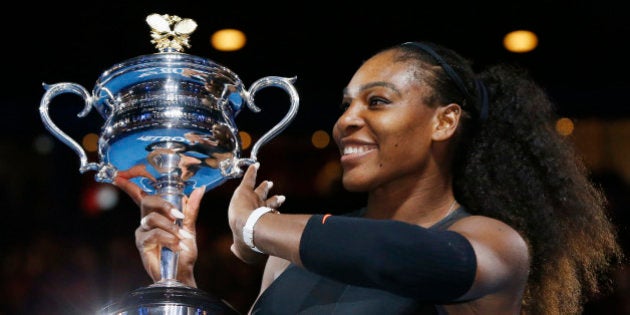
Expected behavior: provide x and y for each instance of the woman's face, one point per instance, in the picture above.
(384, 134)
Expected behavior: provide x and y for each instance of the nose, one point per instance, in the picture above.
(350, 119)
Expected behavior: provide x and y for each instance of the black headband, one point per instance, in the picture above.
(481, 88)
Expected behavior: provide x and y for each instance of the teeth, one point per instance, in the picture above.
(355, 150)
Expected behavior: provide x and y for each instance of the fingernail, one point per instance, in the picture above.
(185, 234)
(281, 199)
(257, 165)
(183, 246)
(269, 184)
(177, 214)
(143, 223)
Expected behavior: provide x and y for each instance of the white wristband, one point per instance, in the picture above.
(248, 229)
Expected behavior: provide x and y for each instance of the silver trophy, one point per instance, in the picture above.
(169, 125)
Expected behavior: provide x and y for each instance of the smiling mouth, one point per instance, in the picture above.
(357, 150)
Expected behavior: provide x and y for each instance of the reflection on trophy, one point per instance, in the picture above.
(169, 124)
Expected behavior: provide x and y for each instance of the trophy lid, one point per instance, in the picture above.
(170, 97)
(170, 64)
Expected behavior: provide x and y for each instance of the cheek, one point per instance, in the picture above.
(335, 134)
(410, 139)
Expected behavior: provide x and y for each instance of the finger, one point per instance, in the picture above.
(249, 179)
(263, 189)
(152, 241)
(149, 245)
(135, 171)
(275, 201)
(151, 262)
(154, 203)
(156, 238)
(191, 206)
(156, 221)
(134, 191)
(141, 171)
(154, 269)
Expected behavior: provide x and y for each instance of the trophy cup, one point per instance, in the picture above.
(170, 116)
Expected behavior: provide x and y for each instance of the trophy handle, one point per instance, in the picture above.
(51, 92)
(285, 84)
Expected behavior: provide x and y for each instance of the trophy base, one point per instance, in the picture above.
(168, 299)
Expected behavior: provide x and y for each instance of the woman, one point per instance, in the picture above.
(475, 205)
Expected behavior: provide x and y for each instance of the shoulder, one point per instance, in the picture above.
(484, 226)
(496, 236)
(502, 254)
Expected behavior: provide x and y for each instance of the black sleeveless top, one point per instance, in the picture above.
(299, 291)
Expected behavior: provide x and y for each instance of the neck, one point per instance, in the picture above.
(421, 205)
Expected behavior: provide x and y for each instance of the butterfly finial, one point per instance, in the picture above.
(170, 32)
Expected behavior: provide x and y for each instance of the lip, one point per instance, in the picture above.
(354, 150)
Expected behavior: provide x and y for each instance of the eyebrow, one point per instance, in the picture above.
(375, 84)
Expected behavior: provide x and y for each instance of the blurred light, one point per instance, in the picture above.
(106, 197)
(320, 139)
(90, 142)
(246, 139)
(520, 41)
(564, 126)
(228, 40)
(43, 144)
(88, 200)
(97, 197)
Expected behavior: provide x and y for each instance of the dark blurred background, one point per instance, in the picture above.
(65, 253)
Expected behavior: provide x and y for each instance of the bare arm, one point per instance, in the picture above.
(502, 256)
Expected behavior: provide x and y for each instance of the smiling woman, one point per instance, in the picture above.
(462, 214)
(44, 188)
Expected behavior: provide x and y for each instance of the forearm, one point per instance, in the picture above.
(395, 256)
(279, 235)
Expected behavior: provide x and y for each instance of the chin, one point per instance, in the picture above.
(354, 186)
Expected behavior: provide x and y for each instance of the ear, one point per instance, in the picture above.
(445, 121)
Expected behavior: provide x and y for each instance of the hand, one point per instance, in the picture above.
(122, 180)
(157, 229)
(245, 200)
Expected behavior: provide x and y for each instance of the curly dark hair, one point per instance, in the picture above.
(513, 166)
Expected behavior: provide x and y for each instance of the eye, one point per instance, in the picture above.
(377, 100)
(345, 103)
